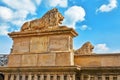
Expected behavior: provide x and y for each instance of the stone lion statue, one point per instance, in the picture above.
(87, 48)
(51, 19)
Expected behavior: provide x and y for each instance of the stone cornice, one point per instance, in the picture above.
(45, 32)
(113, 54)
(101, 68)
(41, 69)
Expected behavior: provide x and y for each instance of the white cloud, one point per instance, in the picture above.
(73, 15)
(4, 29)
(16, 13)
(16, 17)
(6, 14)
(38, 2)
(101, 48)
(85, 27)
(116, 51)
(54, 3)
(26, 5)
(19, 17)
(109, 7)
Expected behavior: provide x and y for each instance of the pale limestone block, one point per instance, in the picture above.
(39, 44)
(59, 43)
(21, 45)
(63, 59)
(46, 59)
(29, 60)
(14, 60)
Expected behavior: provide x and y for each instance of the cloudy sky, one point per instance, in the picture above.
(97, 21)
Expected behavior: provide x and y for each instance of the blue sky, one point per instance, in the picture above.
(97, 21)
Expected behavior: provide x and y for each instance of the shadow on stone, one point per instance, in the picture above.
(1, 76)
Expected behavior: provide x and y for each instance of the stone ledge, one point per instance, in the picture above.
(45, 32)
(101, 68)
(40, 69)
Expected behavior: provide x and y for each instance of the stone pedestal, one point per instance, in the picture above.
(42, 48)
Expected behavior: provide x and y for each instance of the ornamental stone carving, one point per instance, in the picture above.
(50, 20)
(87, 48)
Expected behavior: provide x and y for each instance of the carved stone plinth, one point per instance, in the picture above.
(42, 48)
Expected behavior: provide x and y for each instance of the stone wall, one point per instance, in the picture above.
(42, 48)
(44, 59)
(97, 60)
(40, 44)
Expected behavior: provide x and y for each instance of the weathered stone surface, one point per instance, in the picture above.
(59, 43)
(51, 19)
(47, 59)
(42, 41)
(29, 60)
(85, 49)
(64, 59)
(44, 50)
(21, 45)
(98, 60)
(39, 44)
(14, 60)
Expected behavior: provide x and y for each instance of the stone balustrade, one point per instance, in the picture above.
(39, 77)
(100, 77)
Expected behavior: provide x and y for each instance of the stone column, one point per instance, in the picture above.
(118, 77)
(48, 76)
(17, 77)
(73, 77)
(96, 77)
(82, 77)
(88, 77)
(6, 76)
(41, 77)
(55, 77)
(111, 77)
(12, 77)
(35, 77)
(103, 77)
(68, 77)
(29, 77)
(61, 77)
(23, 77)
